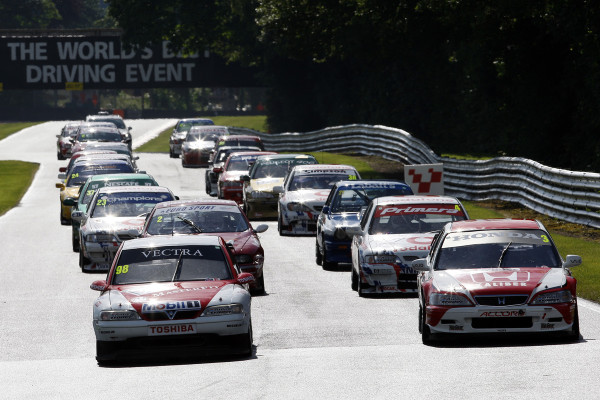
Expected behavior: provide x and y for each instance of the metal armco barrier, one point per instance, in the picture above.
(566, 195)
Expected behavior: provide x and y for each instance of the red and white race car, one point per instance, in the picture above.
(496, 277)
(303, 194)
(171, 291)
(394, 231)
(213, 217)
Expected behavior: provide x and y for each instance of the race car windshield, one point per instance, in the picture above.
(220, 220)
(124, 204)
(240, 164)
(186, 125)
(276, 168)
(300, 182)
(80, 173)
(171, 264)
(413, 218)
(99, 136)
(497, 249)
(352, 200)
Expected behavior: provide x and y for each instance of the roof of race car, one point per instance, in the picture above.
(103, 161)
(309, 169)
(210, 128)
(195, 119)
(414, 199)
(499, 223)
(284, 157)
(211, 202)
(137, 189)
(240, 137)
(370, 184)
(126, 176)
(242, 154)
(167, 240)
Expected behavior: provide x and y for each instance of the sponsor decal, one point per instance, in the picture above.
(456, 327)
(171, 329)
(129, 183)
(183, 209)
(171, 252)
(547, 326)
(171, 307)
(502, 314)
(501, 278)
(234, 325)
(504, 235)
(442, 209)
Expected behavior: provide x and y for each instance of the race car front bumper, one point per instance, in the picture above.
(385, 278)
(488, 319)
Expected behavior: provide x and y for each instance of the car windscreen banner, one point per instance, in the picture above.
(102, 62)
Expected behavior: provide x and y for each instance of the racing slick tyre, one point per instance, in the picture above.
(244, 342)
(171, 154)
(424, 328)
(359, 287)
(207, 183)
(354, 284)
(280, 227)
(75, 243)
(63, 220)
(573, 335)
(83, 261)
(105, 352)
(60, 157)
(260, 282)
(318, 256)
(327, 264)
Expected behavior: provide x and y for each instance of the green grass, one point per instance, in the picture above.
(363, 168)
(588, 274)
(7, 129)
(15, 178)
(160, 144)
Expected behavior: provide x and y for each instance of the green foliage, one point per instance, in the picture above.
(15, 178)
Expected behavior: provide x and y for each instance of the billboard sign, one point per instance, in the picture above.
(102, 62)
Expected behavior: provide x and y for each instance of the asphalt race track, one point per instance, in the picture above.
(314, 337)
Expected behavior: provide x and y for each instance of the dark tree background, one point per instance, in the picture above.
(487, 77)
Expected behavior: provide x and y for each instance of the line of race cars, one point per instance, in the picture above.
(177, 267)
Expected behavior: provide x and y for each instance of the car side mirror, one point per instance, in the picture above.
(245, 277)
(58, 136)
(129, 128)
(261, 228)
(245, 178)
(62, 176)
(62, 169)
(60, 185)
(218, 170)
(572, 261)
(99, 285)
(70, 201)
(325, 210)
(77, 215)
(277, 189)
(420, 264)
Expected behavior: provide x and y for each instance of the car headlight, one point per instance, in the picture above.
(298, 207)
(562, 296)
(227, 309)
(381, 259)
(448, 299)
(119, 315)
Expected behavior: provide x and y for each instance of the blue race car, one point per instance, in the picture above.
(343, 209)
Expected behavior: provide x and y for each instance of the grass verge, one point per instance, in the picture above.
(7, 129)
(15, 179)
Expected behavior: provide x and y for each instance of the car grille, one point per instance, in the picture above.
(493, 323)
(161, 316)
(501, 301)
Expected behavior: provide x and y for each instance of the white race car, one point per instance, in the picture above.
(168, 291)
(114, 214)
(496, 277)
(303, 194)
(394, 231)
